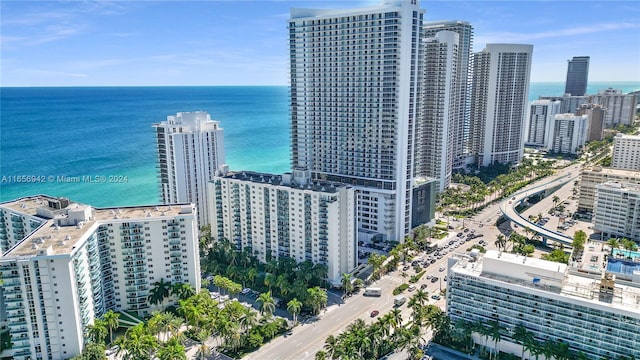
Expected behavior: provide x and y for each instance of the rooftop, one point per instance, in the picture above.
(283, 180)
(612, 171)
(547, 276)
(64, 228)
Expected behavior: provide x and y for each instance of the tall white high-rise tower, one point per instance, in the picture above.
(190, 148)
(499, 103)
(439, 111)
(460, 101)
(354, 94)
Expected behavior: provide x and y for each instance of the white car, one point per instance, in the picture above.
(245, 291)
(441, 269)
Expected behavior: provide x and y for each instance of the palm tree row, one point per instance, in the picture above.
(389, 332)
(96, 334)
(459, 336)
(162, 290)
(283, 277)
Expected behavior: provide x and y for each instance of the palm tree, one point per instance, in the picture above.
(629, 245)
(501, 241)
(183, 291)
(494, 333)
(396, 314)
(331, 345)
(160, 290)
(138, 344)
(317, 298)
(172, 350)
(321, 355)
(267, 304)
(111, 321)
(523, 337)
(97, 331)
(613, 244)
(294, 306)
(252, 274)
(347, 286)
(421, 296)
(555, 200)
(203, 351)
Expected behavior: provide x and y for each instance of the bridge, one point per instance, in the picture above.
(508, 208)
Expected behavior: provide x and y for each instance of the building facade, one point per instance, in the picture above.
(499, 103)
(190, 148)
(591, 312)
(626, 152)
(287, 216)
(439, 111)
(590, 177)
(460, 101)
(569, 133)
(577, 76)
(616, 210)
(540, 125)
(621, 108)
(354, 94)
(83, 261)
(596, 120)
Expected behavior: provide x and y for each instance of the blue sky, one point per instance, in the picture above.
(84, 43)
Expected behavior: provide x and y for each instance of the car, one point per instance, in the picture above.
(411, 287)
(436, 297)
(441, 269)
(429, 276)
(466, 230)
(434, 279)
(245, 291)
(445, 278)
(432, 261)
(406, 267)
(423, 286)
(460, 234)
(375, 313)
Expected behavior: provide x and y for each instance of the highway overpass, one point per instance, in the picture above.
(508, 208)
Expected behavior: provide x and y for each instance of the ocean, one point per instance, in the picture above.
(53, 140)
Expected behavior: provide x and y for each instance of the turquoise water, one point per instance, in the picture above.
(46, 133)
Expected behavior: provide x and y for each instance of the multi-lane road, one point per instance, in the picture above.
(308, 338)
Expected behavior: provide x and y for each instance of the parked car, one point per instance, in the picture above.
(436, 297)
(375, 313)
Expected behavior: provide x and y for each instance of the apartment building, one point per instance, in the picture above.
(499, 103)
(288, 215)
(595, 113)
(569, 133)
(190, 148)
(81, 262)
(626, 152)
(621, 108)
(616, 210)
(540, 124)
(438, 117)
(460, 101)
(582, 305)
(354, 76)
(590, 177)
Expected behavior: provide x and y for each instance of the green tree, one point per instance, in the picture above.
(347, 286)
(92, 351)
(317, 298)
(579, 239)
(501, 242)
(293, 307)
(203, 352)
(557, 255)
(172, 350)
(183, 291)
(97, 331)
(629, 245)
(137, 343)
(613, 244)
(555, 200)
(160, 290)
(111, 320)
(267, 304)
(523, 337)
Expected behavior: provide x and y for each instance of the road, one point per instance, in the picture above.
(308, 338)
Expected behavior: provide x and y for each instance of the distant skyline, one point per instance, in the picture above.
(155, 43)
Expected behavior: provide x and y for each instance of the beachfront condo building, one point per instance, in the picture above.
(438, 117)
(577, 76)
(582, 307)
(590, 177)
(355, 78)
(569, 133)
(540, 122)
(626, 152)
(459, 102)
(287, 215)
(616, 210)
(499, 96)
(190, 148)
(81, 262)
(621, 108)
(596, 114)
